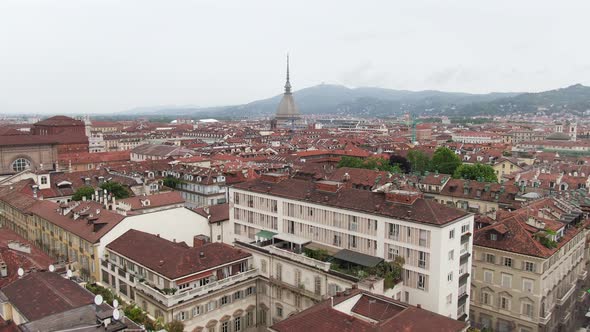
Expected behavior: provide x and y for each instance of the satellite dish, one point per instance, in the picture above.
(98, 299)
(51, 268)
(115, 303)
(116, 314)
(20, 272)
(69, 273)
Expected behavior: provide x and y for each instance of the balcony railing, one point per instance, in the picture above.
(296, 289)
(299, 258)
(173, 299)
(582, 275)
(561, 300)
(545, 320)
(462, 290)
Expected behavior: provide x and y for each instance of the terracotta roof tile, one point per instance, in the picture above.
(170, 259)
(40, 294)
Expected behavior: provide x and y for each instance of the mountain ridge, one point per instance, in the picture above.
(379, 102)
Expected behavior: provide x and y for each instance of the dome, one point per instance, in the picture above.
(287, 108)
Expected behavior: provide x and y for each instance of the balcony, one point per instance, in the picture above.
(172, 299)
(325, 266)
(296, 289)
(561, 300)
(583, 275)
(464, 256)
(582, 296)
(566, 318)
(546, 319)
(462, 292)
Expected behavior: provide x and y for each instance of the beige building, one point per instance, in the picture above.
(22, 152)
(529, 274)
(504, 167)
(208, 287)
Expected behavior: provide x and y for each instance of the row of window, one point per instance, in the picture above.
(506, 281)
(509, 262)
(214, 304)
(505, 303)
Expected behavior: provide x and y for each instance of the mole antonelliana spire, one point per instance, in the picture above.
(287, 113)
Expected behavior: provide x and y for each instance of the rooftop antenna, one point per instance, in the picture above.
(51, 268)
(116, 314)
(20, 272)
(98, 299)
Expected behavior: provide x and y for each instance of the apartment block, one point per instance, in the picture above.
(434, 240)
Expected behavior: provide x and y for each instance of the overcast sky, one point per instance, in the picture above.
(81, 56)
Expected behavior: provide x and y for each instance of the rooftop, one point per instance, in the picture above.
(41, 294)
(360, 311)
(421, 210)
(171, 259)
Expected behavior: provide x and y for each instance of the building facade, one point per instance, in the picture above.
(436, 251)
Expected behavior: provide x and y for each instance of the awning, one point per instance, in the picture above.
(292, 238)
(266, 234)
(357, 258)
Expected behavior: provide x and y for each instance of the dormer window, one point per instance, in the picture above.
(493, 236)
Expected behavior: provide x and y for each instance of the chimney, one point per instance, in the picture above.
(419, 306)
(403, 196)
(199, 240)
(328, 186)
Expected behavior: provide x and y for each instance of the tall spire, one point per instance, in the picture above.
(288, 83)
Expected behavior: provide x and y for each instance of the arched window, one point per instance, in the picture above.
(20, 165)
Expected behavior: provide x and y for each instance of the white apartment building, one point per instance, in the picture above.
(476, 137)
(434, 240)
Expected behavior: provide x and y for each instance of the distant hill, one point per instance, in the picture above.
(379, 102)
(574, 98)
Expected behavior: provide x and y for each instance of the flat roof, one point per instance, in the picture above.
(319, 246)
(292, 238)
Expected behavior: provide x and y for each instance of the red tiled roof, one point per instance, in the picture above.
(60, 120)
(98, 157)
(37, 259)
(170, 259)
(81, 227)
(390, 315)
(218, 212)
(422, 210)
(156, 200)
(40, 294)
(518, 237)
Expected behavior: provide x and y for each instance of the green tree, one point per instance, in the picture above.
(175, 326)
(445, 161)
(476, 172)
(85, 191)
(171, 181)
(115, 188)
(375, 163)
(419, 161)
